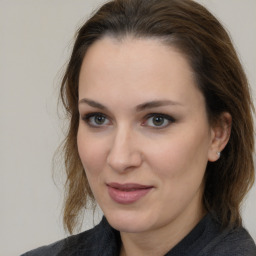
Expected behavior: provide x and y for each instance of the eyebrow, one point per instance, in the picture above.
(92, 103)
(140, 107)
(155, 104)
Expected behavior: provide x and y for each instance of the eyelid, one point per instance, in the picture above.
(169, 118)
(86, 118)
(90, 114)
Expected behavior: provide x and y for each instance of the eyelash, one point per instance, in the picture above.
(87, 118)
(166, 118)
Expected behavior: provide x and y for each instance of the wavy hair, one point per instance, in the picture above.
(193, 30)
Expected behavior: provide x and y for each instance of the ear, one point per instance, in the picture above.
(220, 133)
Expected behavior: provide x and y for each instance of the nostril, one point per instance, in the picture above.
(125, 152)
(122, 162)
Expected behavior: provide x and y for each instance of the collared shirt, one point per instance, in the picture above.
(206, 239)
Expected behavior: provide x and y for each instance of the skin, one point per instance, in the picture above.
(128, 147)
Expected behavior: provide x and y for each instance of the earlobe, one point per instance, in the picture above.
(220, 136)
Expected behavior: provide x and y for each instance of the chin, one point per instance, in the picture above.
(130, 222)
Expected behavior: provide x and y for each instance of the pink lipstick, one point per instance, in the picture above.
(127, 193)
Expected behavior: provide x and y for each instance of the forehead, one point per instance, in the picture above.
(146, 68)
(138, 52)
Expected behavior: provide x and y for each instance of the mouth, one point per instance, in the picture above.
(127, 193)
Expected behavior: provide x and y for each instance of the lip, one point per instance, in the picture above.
(127, 193)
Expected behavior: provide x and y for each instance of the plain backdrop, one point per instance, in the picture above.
(36, 37)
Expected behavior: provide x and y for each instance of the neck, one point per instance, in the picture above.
(159, 241)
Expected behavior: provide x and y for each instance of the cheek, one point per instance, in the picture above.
(91, 153)
(182, 154)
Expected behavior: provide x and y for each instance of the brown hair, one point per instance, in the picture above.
(189, 27)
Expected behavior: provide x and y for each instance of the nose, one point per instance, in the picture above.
(124, 153)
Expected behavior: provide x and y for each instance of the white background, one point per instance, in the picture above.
(36, 38)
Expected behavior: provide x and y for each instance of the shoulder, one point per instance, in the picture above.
(57, 248)
(100, 240)
(234, 242)
(49, 250)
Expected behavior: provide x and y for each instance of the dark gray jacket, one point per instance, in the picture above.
(205, 239)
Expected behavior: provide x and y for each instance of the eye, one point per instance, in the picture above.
(96, 119)
(158, 120)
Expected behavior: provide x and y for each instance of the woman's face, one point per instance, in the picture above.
(144, 137)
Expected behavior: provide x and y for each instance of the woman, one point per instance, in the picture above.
(160, 135)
